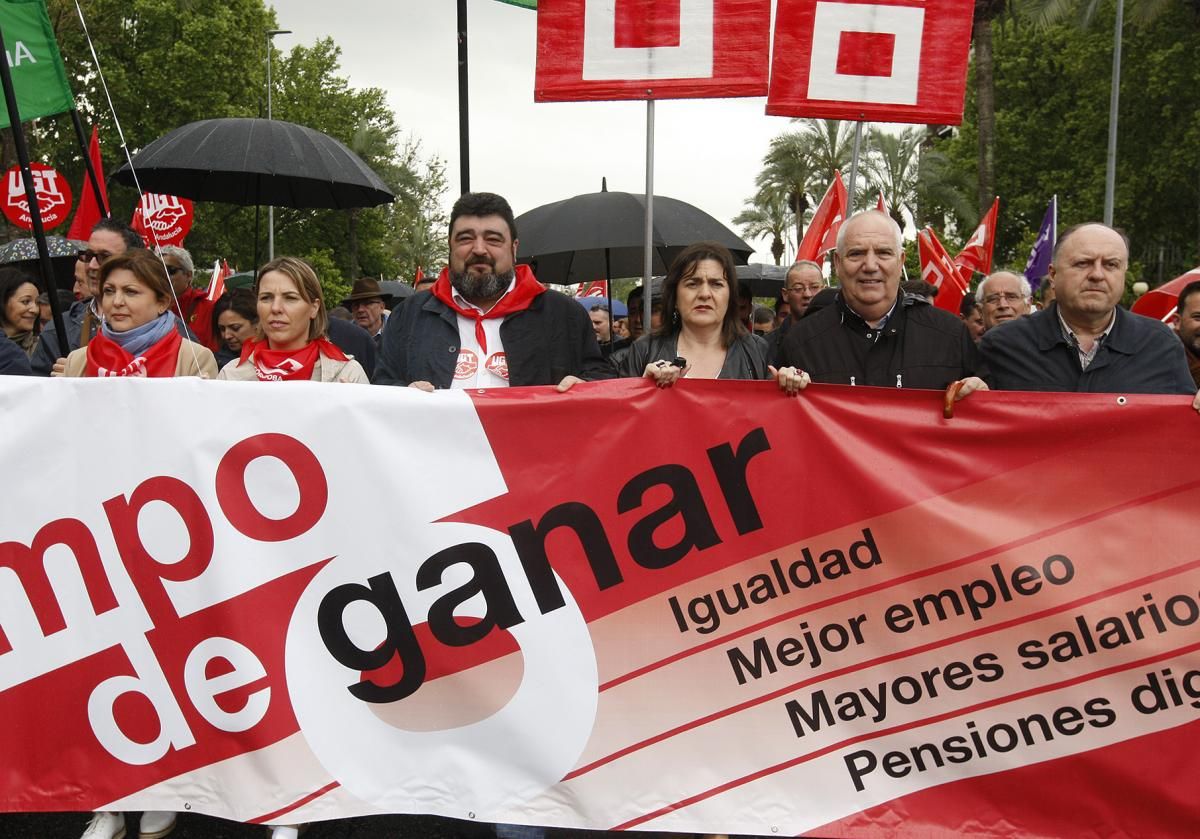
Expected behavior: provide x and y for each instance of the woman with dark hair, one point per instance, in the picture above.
(293, 329)
(234, 321)
(701, 336)
(19, 309)
(138, 336)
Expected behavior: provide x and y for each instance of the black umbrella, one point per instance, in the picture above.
(765, 280)
(256, 161)
(602, 235)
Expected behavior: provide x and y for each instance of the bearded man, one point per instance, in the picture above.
(488, 322)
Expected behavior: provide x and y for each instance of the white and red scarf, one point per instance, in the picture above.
(288, 365)
(105, 357)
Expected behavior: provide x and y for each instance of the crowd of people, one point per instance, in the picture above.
(488, 322)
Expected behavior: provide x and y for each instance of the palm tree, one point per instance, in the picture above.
(787, 171)
(766, 214)
(892, 168)
(985, 97)
(830, 146)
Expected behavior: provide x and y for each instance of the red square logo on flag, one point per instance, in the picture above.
(882, 61)
(651, 49)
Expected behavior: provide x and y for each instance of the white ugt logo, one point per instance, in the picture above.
(691, 59)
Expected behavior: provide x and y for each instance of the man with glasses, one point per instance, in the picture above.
(109, 237)
(1003, 296)
(804, 280)
(1084, 341)
(191, 304)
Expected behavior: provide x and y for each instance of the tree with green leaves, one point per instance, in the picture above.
(1052, 94)
(171, 62)
(767, 214)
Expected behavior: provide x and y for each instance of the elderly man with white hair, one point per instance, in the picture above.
(874, 335)
(1003, 296)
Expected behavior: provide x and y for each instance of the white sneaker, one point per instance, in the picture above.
(284, 831)
(105, 826)
(156, 824)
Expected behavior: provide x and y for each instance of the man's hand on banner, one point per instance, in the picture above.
(969, 386)
(1196, 401)
(567, 383)
(791, 381)
(425, 386)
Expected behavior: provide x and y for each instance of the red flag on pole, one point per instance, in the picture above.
(89, 213)
(417, 277)
(976, 254)
(881, 205)
(821, 236)
(939, 270)
(216, 284)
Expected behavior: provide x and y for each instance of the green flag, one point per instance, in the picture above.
(38, 75)
(524, 4)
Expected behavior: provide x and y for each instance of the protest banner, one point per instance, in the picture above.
(839, 613)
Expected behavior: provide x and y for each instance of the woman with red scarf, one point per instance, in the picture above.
(139, 336)
(292, 327)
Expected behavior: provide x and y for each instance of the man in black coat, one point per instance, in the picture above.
(874, 335)
(488, 322)
(1084, 341)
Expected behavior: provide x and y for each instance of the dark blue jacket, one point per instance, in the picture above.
(13, 361)
(545, 343)
(1140, 355)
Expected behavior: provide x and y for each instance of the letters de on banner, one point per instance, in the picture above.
(651, 49)
(883, 61)
(53, 196)
(163, 219)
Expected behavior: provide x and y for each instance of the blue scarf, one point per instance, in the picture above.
(141, 338)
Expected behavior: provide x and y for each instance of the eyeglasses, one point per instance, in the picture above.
(1006, 296)
(812, 289)
(356, 304)
(172, 270)
(89, 255)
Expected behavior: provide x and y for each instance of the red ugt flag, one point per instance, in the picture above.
(651, 49)
(821, 236)
(938, 270)
(883, 61)
(976, 254)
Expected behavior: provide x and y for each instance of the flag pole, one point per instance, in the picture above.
(858, 128)
(464, 134)
(87, 162)
(35, 213)
(648, 254)
(1110, 167)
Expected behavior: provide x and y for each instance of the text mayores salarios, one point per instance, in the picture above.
(872, 703)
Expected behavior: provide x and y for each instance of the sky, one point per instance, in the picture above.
(707, 151)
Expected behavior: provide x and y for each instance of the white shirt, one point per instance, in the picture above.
(476, 368)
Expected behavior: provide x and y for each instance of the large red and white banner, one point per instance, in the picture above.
(651, 49)
(880, 61)
(839, 614)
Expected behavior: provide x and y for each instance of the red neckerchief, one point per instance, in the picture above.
(288, 365)
(105, 357)
(524, 292)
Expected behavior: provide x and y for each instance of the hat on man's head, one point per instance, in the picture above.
(656, 290)
(368, 289)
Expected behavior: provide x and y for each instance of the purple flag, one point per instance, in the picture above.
(1039, 256)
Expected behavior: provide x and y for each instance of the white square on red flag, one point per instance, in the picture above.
(651, 49)
(888, 61)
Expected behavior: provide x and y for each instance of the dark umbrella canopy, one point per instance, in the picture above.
(256, 161)
(566, 241)
(765, 280)
(25, 250)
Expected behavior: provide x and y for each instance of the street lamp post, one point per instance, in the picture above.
(271, 33)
